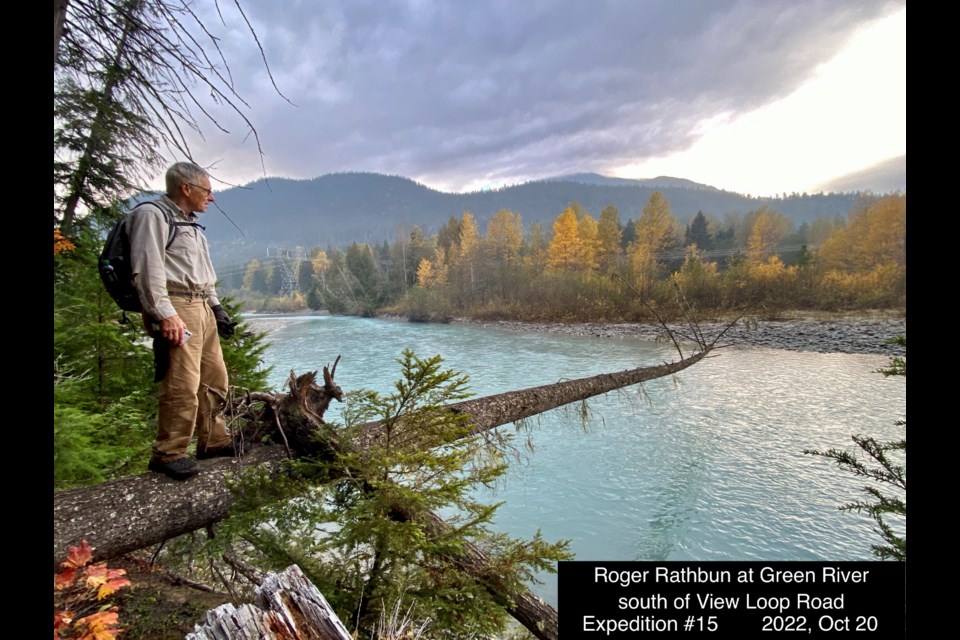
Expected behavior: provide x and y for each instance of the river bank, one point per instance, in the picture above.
(863, 333)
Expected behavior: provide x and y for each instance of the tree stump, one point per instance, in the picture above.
(290, 608)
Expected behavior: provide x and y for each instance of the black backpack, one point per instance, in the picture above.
(116, 270)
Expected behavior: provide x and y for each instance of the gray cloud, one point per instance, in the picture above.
(451, 92)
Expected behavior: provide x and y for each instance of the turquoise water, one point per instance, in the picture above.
(704, 465)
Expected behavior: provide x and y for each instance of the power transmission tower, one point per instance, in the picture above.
(286, 260)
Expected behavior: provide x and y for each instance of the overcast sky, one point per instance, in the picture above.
(755, 96)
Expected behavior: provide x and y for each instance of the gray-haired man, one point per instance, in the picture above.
(176, 281)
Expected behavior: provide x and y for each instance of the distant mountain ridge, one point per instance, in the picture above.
(658, 182)
(338, 208)
(884, 177)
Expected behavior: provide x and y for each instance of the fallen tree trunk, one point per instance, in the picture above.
(136, 512)
(139, 511)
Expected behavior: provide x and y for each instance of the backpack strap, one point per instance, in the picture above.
(174, 225)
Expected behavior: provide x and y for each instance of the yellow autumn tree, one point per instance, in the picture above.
(589, 233)
(875, 236)
(469, 237)
(505, 236)
(656, 232)
(468, 253)
(565, 247)
(433, 273)
(769, 227)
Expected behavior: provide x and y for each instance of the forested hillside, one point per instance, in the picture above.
(337, 209)
(592, 265)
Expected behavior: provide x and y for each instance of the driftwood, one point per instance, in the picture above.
(290, 608)
(136, 512)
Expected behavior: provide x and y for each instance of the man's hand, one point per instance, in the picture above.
(172, 329)
(224, 326)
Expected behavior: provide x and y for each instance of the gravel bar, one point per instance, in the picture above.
(840, 335)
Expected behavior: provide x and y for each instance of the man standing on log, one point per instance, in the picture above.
(175, 279)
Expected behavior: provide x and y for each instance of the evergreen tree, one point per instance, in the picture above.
(629, 235)
(448, 237)
(304, 276)
(315, 299)
(274, 278)
(367, 541)
(610, 236)
(360, 263)
(536, 248)
(698, 233)
(103, 398)
(255, 278)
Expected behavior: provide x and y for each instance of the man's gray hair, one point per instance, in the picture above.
(183, 172)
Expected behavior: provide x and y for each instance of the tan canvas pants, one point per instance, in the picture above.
(193, 391)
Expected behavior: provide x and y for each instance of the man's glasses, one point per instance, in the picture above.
(209, 191)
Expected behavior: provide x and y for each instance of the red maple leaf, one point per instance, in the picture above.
(64, 579)
(78, 556)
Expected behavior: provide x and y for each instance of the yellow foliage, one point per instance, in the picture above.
(699, 281)
(425, 273)
(505, 236)
(565, 247)
(875, 236)
(431, 273)
(656, 234)
(881, 286)
(589, 233)
(320, 262)
(469, 238)
(769, 271)
(768, 229)
(657, 228)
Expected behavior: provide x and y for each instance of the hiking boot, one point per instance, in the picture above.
(179, 469)
(232, 450)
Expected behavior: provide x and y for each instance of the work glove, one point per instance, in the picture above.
(224, 326)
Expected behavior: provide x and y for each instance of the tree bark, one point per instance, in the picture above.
(59, 16)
